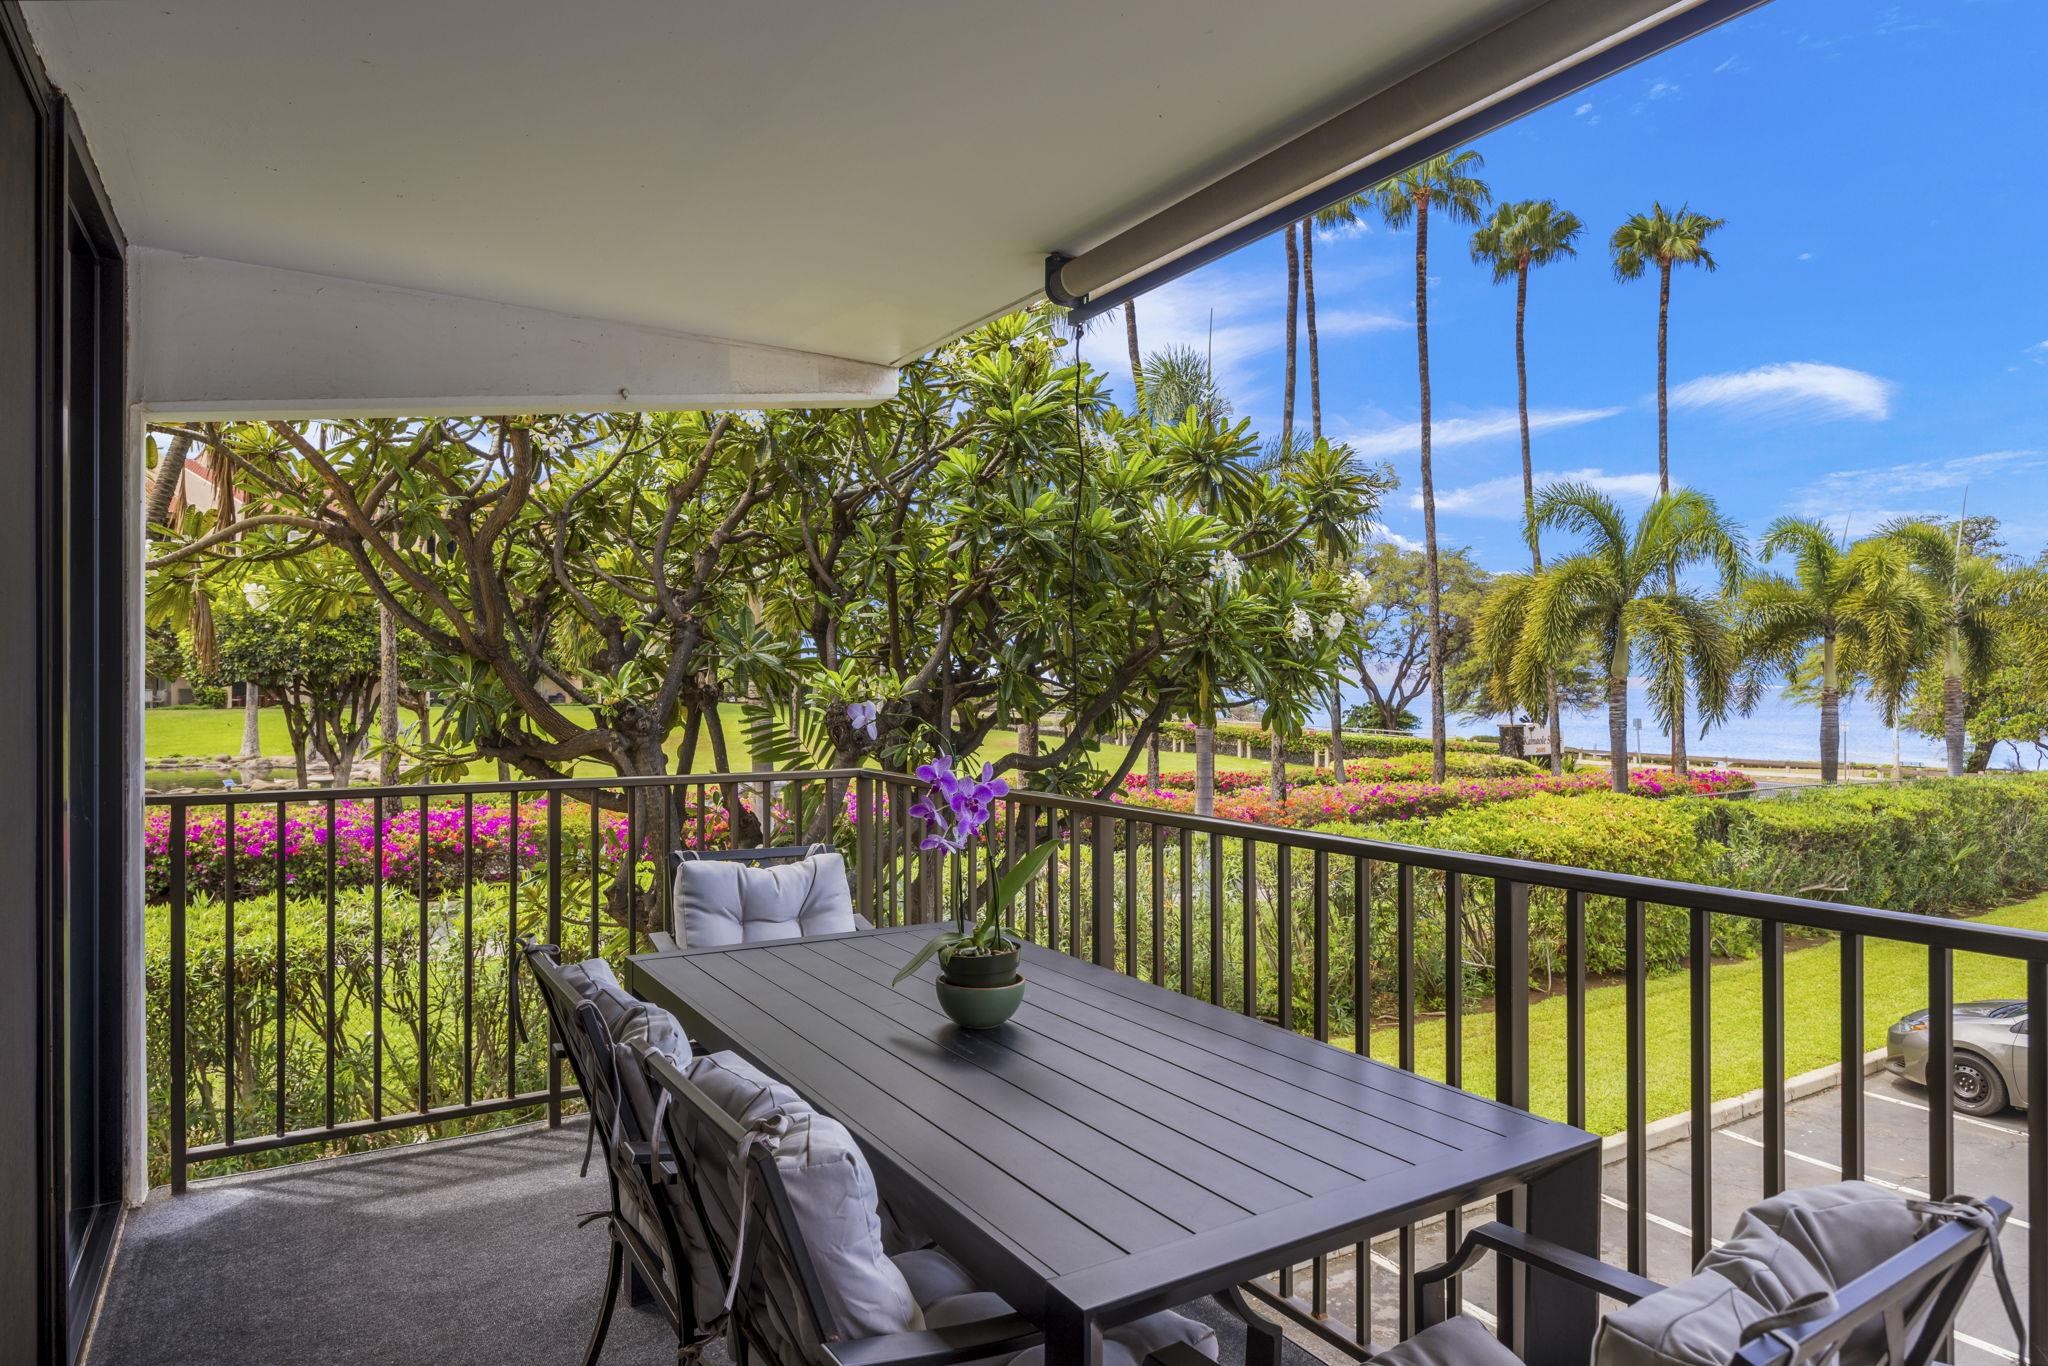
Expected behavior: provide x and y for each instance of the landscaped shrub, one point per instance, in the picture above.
(1355, 742)
(1401, 768)
(1938, 846)
(1370, 799)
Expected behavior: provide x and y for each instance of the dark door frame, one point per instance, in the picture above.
(66, 840)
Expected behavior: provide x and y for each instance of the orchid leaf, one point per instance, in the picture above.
(943, 939)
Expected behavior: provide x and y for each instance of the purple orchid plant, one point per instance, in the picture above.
(957, 810)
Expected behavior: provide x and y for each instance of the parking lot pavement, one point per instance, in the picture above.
(1990, 1160)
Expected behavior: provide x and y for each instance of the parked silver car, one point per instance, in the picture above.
(1990, 1054)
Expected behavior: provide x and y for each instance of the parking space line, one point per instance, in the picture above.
(2008, 1130)
(2012, 1220)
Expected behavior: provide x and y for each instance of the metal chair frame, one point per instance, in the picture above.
(1925, 1282)
(579, 1035)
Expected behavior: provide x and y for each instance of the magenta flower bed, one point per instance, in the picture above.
(358, 858)
(1321, 804)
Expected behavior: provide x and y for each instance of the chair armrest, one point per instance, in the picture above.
(1003, 1335)
(1532, 1251)
(861, 922)
(663, 941)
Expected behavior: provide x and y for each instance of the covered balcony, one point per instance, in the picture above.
(282, 1085)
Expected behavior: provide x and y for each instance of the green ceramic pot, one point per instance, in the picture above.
(981, 969)
(980, 1007)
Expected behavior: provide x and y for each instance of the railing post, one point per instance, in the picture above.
(1511, 1071)
(180, 1081)
(1102, 916)
(2037, 1168)
(865, 844)
(555, 938)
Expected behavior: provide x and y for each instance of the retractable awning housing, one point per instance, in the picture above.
(523, 205)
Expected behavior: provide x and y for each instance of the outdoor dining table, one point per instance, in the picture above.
(1117, 1147)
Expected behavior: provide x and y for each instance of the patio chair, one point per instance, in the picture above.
(590, 1016)
(1847, 1274)
(786, 1202)
(739, 896)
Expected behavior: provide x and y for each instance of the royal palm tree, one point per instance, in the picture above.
(1844, 610)
(1616, 590)
(1446, 185)
(1137, 358)
(1519, 237)
(1971, 594)
(1341, 214)
(1293, 307)
(1663, 239)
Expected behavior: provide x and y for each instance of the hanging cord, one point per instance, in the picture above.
(1967, 1209)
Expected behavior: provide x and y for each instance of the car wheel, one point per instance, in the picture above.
(1979, 1090)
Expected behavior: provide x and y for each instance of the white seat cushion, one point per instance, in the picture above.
(634, 1021)
(1458, 1341)
(720, 903)
(948, 1297)
(831, 1192)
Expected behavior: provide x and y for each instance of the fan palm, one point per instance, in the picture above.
(1616, 590)
(1447, 185)
(1293, 242)
(1849, 607)
(1972, 595)
(1520, 236)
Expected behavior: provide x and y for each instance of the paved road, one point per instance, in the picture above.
(1990, 1160)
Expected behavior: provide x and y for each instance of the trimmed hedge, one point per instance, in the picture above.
(1356, 743)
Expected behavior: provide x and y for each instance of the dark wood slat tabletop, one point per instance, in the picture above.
(1116, 1147)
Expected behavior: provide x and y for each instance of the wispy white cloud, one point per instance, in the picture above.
(1726, 64)
(1502, 497)
(1393, 537)
(1806, 256)
(1583, 110)
(2038, 352)
(1457, 431)
(1356, 322)
(1916, 488)
(1794, 388)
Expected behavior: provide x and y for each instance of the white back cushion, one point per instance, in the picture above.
(720, 902)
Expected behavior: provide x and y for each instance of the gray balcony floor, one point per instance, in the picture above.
(440, 1254)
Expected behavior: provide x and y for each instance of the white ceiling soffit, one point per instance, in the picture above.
(856, 181)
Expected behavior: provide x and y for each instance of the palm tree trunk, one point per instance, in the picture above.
(170, 473)
(1617, 731)
(1430, 571)
(1293, 305)
(1336, 730)
(1276, 767)
(387, 696)
(1952, 706)
(1137, 358)
(1830, 714)
(1663, 369)
(1554, 725)
(1205, 770)
(1315, 365)
(1152, 762)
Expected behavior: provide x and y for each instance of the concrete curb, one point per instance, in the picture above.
(1662, 1133)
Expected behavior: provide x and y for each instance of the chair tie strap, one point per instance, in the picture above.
(1968, 1209)
(766, 1133)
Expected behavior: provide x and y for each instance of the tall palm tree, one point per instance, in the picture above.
(1444, 184)
(1519, 237)
(1972, 594)
(1293, 307)
(1341, 214)
(1137, 357)
(1663, 239)
(1616, 590)
(1849, 608)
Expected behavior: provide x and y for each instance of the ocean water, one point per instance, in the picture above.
(1777, 729)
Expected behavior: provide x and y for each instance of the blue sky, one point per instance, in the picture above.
(1874, 342)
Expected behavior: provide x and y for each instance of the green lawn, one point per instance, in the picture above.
(208, 732)
(1895, 982)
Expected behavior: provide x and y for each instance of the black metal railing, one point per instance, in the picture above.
(1321, 933)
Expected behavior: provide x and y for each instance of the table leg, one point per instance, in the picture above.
(1072, 1338)
(1563, 1205)
(1262, 1336)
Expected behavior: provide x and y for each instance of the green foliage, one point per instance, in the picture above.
(1937, 846)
